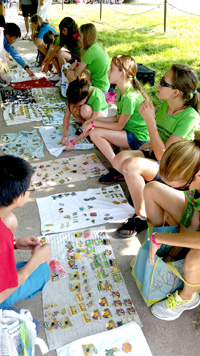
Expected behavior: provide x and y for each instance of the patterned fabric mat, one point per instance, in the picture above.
(45, 96)
(128, 338)
(24, 144)
(21, 113)
(91, 296)
(52, 136)
(65, 170)
(71, 210)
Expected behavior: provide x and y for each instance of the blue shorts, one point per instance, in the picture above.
(32, 286)
(133, 142)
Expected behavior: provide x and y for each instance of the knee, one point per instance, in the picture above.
(149, 190)
(130, 165)
(192, 262)
(94, 134)
(86, 111)
(118, 160)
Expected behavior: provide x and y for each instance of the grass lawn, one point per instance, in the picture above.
(141, 36)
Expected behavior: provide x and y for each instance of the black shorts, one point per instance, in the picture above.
(29, 10)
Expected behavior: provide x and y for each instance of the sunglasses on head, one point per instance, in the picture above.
(163, 83)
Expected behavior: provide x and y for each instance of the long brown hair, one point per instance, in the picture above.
(185, 79)
(128, 64)
(89, 32)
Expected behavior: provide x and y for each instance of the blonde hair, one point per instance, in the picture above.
(181, 160)
(37, 20)
(129, 66)
(89, 32)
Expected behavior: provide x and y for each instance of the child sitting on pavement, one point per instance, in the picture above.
(11, 33)
(84, 103)
(24, 279)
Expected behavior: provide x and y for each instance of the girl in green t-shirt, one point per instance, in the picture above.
(84, 103)
(67, 50)
(180, 198)
(177, 119)
(127, 129)
(93, 57)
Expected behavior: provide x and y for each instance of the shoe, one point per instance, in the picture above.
(58, 84)
(174, 306)
(112, 177)
(131, 227)
(27, 37)
(55, 78)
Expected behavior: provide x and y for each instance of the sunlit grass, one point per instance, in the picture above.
(141, 36)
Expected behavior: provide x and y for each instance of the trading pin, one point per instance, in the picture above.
(117, 303)
(79, 297)
(51, 324)
(128, 302)
(96, 315)
(120, 312)
(106, 313)
(65, 323)
(82, 307)
(115, 294)
(110, 325)
(86, 318)
(131, 310)
(72, 310)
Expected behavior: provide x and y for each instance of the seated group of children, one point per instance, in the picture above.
(157, 148)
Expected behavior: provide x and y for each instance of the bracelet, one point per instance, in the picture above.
(26, 67)
(73, 143)
(15, 246)
(92, 123)
(153, 240)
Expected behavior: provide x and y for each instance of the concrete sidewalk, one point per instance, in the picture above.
(179, 337)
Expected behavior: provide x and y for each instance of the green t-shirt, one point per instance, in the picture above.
(98, 63)
(192, 205)
(57, 40)
(97, 100)
(182, 124)
(194, 198)
(128, 104)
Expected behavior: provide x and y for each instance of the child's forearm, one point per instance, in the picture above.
(66, 124)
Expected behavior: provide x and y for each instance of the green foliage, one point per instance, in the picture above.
(122, 31)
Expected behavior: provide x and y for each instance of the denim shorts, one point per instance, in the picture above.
(133, 142)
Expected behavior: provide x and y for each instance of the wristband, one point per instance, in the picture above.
(92, 123)
(73, 143)
(26, 67)
(153, 240)
(15, 246)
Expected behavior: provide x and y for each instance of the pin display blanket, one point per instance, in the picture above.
(65, 170)
(128, 338)
(19, 75)
(45, 96)
(52, 114)
(86, 293)
(24, 144)
(67, 211)
(22, 113)
(34, 83)
(14, 96)
(52, 136)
